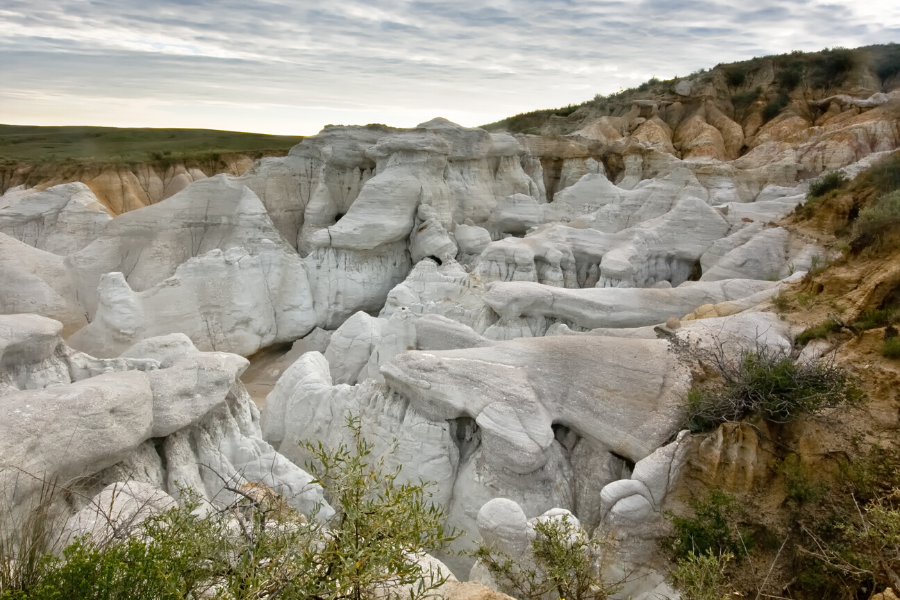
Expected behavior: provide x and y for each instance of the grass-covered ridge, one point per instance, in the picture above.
(816, 74)
(34, 144)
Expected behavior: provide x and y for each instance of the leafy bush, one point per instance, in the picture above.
(712, 529)
(891, 348)
(875, 318)
(877, 225)
(701, 576)
(872, 550)
(799, 487)
(380, 525)
(258, 547)
(771, 385)
(831, 67)
(744, 99)
(736, 76)
(564, 565)
(888, 65)
(774, 107)
(789, 77)
(884, 175)
(820, 331)
(872, 475)
(825, 184)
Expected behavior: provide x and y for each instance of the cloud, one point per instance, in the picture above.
(290, 66)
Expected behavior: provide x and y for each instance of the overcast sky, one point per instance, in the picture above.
(292, 66)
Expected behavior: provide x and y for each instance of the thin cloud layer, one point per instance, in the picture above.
(282, 66)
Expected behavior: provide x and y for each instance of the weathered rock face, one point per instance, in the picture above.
(35, 281)
(60, 220)
(166, 415)
(516, 419)
(492, 302)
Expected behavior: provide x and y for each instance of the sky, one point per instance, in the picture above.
(292, 66)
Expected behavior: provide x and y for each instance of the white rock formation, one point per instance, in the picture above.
(61, 220)
(35, 281)
(230, 301)
(168, 415)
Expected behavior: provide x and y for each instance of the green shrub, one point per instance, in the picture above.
(877, 225)
(774, 107)
(825, 184)
(744, 99)
(790, 76)
(258, 547)
(832, 66)
(701, 576)
(891, 348)
(781, 302)
(713, 528)
(888, 65)
(875, 318)
(563, 566)
(736, 76)
(817, 332)
(873, 474)
(884, 175)
(768, 384)
(867, 547)
(799, 487)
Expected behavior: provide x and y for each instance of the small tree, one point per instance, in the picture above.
(257, 547)
(379, 530)
(565, 564)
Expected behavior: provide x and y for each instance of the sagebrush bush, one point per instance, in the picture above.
(701, 576)
(825, 184)
(713, 528)
(878, 225)
(770, 385)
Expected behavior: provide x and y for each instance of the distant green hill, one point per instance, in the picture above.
(34, 144)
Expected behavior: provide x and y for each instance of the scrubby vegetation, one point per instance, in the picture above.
(878, 225)
(702, 576)
(744, 99)
(887, 62)
(828, 183)
(256, 547)
(774, 107)
(891, 348)
(831, 66)
(565, 565)
(713, 528)
(817, 332)
(877, 317)
(768, 384)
